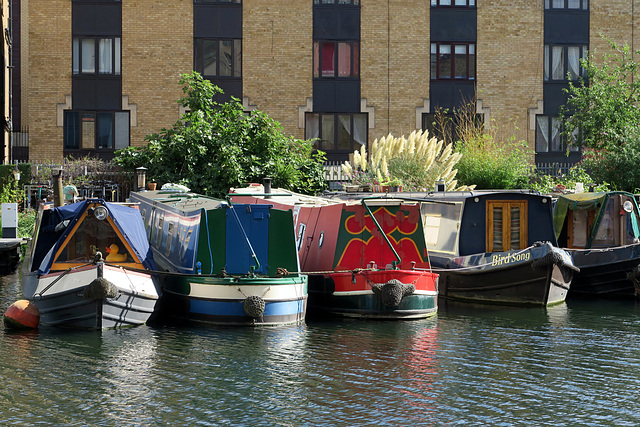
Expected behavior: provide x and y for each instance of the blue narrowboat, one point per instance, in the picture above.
(223, 263)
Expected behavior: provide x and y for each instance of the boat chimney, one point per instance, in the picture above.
(57, 187)
(266, 183)
(440, 186)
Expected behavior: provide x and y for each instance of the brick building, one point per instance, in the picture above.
(98, 75)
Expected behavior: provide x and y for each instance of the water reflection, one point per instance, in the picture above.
(577, 363)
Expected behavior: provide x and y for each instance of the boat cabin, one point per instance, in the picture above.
(466, 223)
(596, 220)
(70, 236)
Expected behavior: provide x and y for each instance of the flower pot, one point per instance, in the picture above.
(152, 186)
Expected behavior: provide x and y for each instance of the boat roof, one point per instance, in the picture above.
(127, 220)
(324, 199)
(442, 196)
(182, 201)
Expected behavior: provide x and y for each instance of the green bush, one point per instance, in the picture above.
(547, 183)
(493, 165)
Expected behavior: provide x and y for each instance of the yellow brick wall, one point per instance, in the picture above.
(157, 47)
(277, 44)
(49, 79)
(510, 63)
(614, 20)
(409, 64)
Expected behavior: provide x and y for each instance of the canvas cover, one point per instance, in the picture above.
(584, 201)
(127, 220)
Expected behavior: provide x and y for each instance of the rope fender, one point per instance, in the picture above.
(100, 288)
(392, 292)
(254, 306)
(553, 257)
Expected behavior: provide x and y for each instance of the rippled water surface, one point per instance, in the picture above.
(574, 364)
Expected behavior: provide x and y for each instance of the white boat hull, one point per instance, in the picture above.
(62, 301)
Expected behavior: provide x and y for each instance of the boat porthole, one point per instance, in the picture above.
(544, 200)
(321, 240)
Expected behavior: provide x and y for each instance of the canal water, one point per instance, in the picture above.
(573, 364)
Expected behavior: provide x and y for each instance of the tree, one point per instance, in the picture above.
(602, 109)
(215, 146)
(602, 116)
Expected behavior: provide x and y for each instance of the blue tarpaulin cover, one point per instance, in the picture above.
(128, 220)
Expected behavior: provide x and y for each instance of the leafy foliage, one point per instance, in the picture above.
(216, 146)
(493, 165)
(602, 117)
(486, 161)
(547, 183)
(602, 110)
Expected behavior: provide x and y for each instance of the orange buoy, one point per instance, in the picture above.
(22, 314)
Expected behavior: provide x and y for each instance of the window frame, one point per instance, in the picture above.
(583, 5)
(506, 219)
(452, 3)
(236, 57)
(549, 56)
(320, 3)
(96, 130)
(553, 122)
(318, 61)
(77, 56)
(435, 61)
(320, 142)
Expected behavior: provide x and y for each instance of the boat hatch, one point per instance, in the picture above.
(90, 235)
(441, 223)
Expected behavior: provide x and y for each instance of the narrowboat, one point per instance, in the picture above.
(88, 266)
(221, 263)
(493, 247)
(601, 232)
(365, 259)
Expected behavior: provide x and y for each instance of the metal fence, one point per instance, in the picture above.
(20, 145)
(335, 176)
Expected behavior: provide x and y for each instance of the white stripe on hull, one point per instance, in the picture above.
(234, 291)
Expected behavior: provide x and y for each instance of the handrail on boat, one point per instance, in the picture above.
(246, 238)
(375, 221)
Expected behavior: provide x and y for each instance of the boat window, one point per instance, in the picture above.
(506, 225)
(169, 239)
(159, 231)
(91, 236)
(441, 222)
(605, 236)
(631, 231)
(579, 229)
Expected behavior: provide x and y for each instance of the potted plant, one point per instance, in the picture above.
(152, 185)
(394, 185)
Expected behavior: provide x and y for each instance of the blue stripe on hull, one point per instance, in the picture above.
(236, 308)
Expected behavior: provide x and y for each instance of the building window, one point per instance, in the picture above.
(449, 3)
(337, 132)
(218, 57)
(338, 2)
(453, 61)
(565, 4)
(333, 59)
(96, 55)
(217, 1)
(506, 225)
(96, 130)
(549, 137)
(562, 62)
